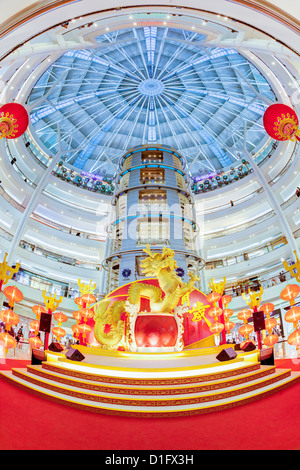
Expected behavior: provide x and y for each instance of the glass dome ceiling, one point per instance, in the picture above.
(150, 85)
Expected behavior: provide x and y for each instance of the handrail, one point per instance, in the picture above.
(266, 283)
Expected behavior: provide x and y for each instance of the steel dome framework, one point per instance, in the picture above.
(150, 85)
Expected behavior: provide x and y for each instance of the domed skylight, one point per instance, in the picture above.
(150, 85)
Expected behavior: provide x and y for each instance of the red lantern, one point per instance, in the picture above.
(84, 329)
(59, 332)
(7, 341)
(14, 120)
(216, 328)
(34, 325)
(35, 342)
(244, 314)
(271, 340)
(214, 311)
(213, 297)
(270, 323)
(9, 317)
(77, 315)
(60, 317)
(86, 313)
(281, 122)
(267, 308)
(75, 329)
(294, 338)
(228, 313)
(79, 301)
(226, 299)
(246, 329)
(38, 309)
(89, 299)
(292, 315)
(290, 292)
(229, 325)
(13, 294)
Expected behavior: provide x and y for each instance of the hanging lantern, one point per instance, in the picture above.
(89, 299)
(216, 328)
(267, 308)
(213, 297)
(79, 301)
(290, 292)
(228, 313)
(214, 312)
(229, 325)
(75, 329)
(294, 338)
(246, 330)
(270, 340)
(13, 294)
(226, 299)
(34, 325)
(292, 315)
(77, 315)
(244, 314)
(37, 310)
(270, 323)
(60, 317)
(9, 317)
(86, 313)
(14, 120)
(35, 342)
(84, 329)
(7, 341)
(58, 332)
(281, 122)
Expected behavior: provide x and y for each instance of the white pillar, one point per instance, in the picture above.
(285, 227)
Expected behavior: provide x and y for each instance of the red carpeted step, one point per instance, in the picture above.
(121, 380)
(152, 390)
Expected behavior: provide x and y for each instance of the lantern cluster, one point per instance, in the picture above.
(215, 312)
(35, 341)
(9, 317)
(246, 329)
(270, 323)
(289, 293)
(83, 315)
(58, 331)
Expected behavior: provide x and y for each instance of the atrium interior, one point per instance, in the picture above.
(104, 87)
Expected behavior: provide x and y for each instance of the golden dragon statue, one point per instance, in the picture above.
(110, 327)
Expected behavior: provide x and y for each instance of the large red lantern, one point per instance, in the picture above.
(281, 122)
(14, 120)
(7, 341)
(290, 292)
(13, 294)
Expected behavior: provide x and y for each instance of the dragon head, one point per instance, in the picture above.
(155, 262)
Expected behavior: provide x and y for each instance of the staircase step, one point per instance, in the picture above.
(174, 389)
(115, 398)
(180, 377)
(168, 406)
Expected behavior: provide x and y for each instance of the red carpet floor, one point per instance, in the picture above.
(32, 423)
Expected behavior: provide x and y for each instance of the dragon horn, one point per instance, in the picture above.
(148, 251)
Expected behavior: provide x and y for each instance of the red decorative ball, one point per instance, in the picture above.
(14, 120)
(281, 122)
(156, 331)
